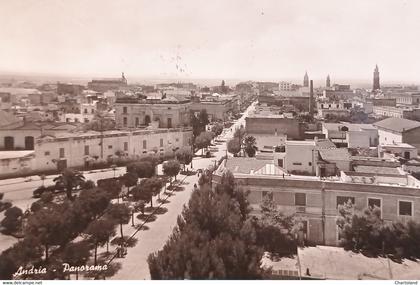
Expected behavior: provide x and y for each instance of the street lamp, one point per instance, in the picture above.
(131, 207)
(43, 176)
(114, 167)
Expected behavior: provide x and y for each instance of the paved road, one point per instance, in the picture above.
(134, 265)
(19, 192)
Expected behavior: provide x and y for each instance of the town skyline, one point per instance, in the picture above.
(275, 40)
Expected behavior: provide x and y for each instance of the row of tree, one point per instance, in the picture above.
(52, 227)
(241, 141)
(367, 232)
(217, 238)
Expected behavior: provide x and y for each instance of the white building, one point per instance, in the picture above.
(351, 135)
(301, 157)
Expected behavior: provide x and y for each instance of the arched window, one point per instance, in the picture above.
(147, 120)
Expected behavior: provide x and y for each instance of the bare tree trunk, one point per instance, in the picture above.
(96, 254)
(121, 230)
(68, 192)
(46, 252)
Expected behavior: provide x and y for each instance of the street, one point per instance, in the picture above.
(134, 265)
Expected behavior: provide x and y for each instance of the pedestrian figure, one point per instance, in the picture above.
(283, 175)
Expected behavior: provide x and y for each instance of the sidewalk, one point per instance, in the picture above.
(134, 265)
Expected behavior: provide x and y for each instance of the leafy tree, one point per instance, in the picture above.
(121, 214)
(130, 179)
(48, 227)
(206, 176)
(171, 168)
(366, 231)
(89, 184)
(92, 203)
(70, 179)
(217, 129)
(239, 133)
(147, 189)
(184, 155)
(203, 140)
(139, 206)
(250, 141)
(142, 168)
(26, 251)
(204, 118)
(275, 230)
(234, 146)
(100, 124)
(152, 158)
(195, 124)
(46, 198)
(76, 254)
(142, 194)
(99, 232)
(211, 241)
(12, 220)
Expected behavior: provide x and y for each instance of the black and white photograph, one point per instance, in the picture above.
(210, 140)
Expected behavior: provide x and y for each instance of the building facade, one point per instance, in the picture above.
(169, 112)
(315, 202)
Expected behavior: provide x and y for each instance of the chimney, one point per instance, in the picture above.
(311, 97)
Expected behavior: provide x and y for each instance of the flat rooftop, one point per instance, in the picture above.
(335, 263)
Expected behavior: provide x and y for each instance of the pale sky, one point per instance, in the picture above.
(212, 38)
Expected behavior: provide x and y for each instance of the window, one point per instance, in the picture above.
(86, 150)
(110, 147)
(297, 163)
(47, 153)
(124, 110)
(405, 208)
(344, 199)
(86, 120)
(125, 146)
(375, 202)
(144, 144)
(125, 121)
(29, 142)
(310, 163)
(85, 111)
(300, 199)
(267, 194)
(177, 139)
(61, 152)
(137, 121)
(161, 142)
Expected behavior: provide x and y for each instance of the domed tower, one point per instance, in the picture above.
(306, 80)
(376, 85)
